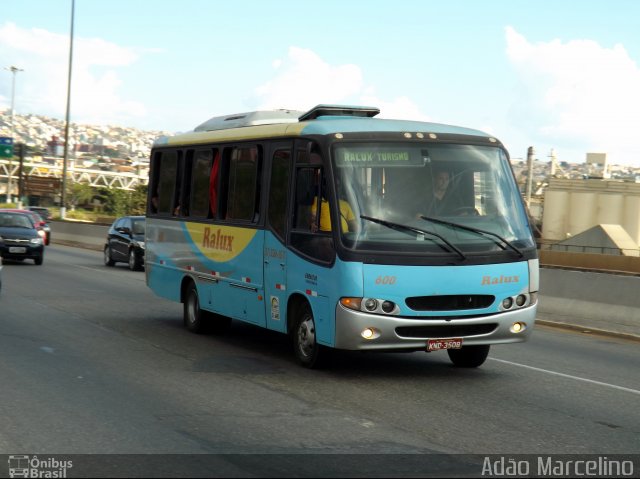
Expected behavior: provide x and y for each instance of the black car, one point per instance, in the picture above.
(42, 211)
(125, 242)
(20, 238)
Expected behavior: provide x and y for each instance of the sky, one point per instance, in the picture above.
(561, 75)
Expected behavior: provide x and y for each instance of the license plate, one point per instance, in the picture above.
(449, 343)
(17, 249)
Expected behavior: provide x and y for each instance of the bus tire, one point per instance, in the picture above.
(469, 356)
(194, 319)
(306, 348)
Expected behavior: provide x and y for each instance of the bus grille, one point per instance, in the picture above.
(449, 331)
(450, 302)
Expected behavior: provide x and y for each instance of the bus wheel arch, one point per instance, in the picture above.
(196, 319)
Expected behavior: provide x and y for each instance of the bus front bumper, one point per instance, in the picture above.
(404, 333)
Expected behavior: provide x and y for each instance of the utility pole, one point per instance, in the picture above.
(530, 154)
(65, 158)
(13, 70)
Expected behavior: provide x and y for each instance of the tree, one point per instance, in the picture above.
(138, 203)
(78, 193)
(116, 201)
(122, 202)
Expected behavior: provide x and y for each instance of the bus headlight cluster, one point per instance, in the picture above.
(371, 305)
(516, 302)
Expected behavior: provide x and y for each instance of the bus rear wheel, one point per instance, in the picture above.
(194, 319)
(199, 321)
(469, 356)
(307, 350)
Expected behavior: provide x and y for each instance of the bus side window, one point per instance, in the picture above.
(155, 183)
(306, 192)
(277, 210)
(213, 185)
(201, 169)
(183, 208)
(308, 235)
(167, 182)
(243, 187)
(177, 196)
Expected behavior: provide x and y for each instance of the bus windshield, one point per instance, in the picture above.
(429, 198)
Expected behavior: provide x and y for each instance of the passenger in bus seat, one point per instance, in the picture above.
(347, 218)
(213, 186)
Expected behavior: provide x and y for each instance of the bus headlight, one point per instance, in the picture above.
(522, 300)
(388, 306)
(507, 303)
(370, 305)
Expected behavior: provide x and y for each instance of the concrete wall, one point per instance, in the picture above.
(579, 299)
(591, 261)
(87, 235)
(590, 300)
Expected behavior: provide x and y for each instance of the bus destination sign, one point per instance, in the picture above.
(379, 156)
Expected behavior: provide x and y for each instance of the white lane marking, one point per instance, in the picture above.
(577, 378)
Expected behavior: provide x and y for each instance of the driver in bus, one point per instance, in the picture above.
(443, 201)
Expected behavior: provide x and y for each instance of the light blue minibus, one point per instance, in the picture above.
(343, 231)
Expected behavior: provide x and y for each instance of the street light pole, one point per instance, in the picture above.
(65, 159)
(13, 70)
(530, 159)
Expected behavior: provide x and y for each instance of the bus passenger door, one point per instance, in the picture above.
(275, 252)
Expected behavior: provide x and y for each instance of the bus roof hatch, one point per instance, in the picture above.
(339, 110)
(252, 118)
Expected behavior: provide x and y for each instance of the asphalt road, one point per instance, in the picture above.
(91, 362)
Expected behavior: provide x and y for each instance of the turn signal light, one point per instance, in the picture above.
(351, 303)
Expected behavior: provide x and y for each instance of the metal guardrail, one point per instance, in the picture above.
(588, 249)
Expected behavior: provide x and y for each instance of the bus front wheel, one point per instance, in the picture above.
(307, 350)
(469, 356)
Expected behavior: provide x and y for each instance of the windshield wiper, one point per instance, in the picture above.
(478, 231)
(406, 228)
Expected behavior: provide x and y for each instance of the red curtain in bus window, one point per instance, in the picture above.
(213, 185)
